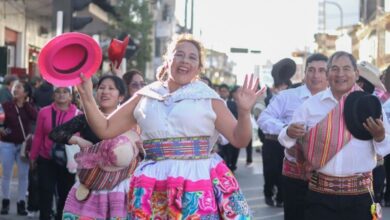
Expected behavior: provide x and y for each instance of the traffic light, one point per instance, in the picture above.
(77, 23)
(69, 7)
(3, 61)
(131, 49)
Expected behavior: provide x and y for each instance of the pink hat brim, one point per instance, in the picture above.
(49, 53)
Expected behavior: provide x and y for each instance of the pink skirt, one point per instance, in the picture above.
(178, 189)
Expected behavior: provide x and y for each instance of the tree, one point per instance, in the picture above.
(135, 18)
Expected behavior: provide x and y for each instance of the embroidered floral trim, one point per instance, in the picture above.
(177, 198)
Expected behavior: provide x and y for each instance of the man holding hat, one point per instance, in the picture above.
(272, 151)
(278, 114)
(337, 133)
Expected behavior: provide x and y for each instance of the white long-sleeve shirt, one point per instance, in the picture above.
(280, 111)
(357, 156)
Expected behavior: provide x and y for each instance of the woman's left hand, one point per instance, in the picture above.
(246, 95)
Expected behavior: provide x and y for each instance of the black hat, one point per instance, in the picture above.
(358, 107)
(283, 70)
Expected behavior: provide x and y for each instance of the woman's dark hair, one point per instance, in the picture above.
(119, 84)
(128, 76)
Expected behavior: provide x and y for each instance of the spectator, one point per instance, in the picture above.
(5, 92)
(52, 177)
(134, 81)
(43, 95)
(19, 116)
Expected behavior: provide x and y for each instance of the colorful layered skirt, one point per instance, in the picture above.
(100, 205)
(186, 189)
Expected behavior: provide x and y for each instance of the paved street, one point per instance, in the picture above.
(251, 182)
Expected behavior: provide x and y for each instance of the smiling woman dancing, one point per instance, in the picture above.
(180, 118)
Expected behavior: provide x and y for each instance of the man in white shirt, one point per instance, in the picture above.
(272, 151)
(277, 115)
(339, 164)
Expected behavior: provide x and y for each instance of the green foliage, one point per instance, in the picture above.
(135, 19)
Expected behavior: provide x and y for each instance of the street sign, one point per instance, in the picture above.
(243, 50)
(238, 50)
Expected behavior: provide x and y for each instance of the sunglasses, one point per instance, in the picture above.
(136, 85)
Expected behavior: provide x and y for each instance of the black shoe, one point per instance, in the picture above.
(21, 208)
(279, 204)
(5, 207)
(269, 201)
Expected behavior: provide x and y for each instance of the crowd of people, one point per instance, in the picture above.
(49, 113)
(323, 144)
(324, 141)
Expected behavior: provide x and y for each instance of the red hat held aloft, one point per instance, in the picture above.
(117, 49)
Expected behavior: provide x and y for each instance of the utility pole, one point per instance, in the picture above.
(187, 28)
(192, 17)
(185, 15)
(322, 13)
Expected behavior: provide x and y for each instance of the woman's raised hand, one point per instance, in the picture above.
(116, 71)
(246, 95)
(85, 88)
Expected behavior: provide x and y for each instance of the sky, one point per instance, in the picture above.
(276, 27)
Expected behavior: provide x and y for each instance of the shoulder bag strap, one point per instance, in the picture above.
(53, 118)
(20, 122)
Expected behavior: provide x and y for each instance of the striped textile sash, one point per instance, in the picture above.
(293, 170)
(98, 179)
(183, 148)
(327, 138)
(349, 185)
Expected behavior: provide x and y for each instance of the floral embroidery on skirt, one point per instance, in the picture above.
(177, 198)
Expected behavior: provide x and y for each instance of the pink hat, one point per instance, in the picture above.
(117, 49)
(64, 57)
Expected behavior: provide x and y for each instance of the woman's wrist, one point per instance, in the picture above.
(243, 113)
